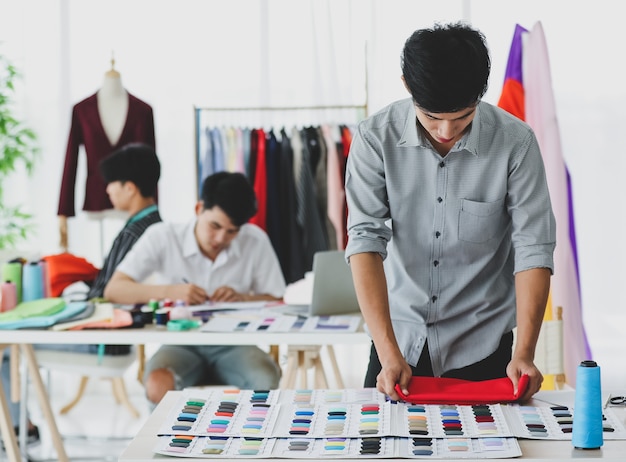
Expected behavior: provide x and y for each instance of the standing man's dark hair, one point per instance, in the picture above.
(231, 192)
(433, 60)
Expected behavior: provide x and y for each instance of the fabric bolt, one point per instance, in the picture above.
(527, 93)
(458, 239)
(442, 390)
(87, 130)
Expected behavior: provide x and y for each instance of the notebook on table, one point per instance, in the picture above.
(333, 290)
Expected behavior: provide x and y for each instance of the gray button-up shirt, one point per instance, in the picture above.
(453, 230)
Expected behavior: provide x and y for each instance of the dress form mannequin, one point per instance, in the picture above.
(112, 100)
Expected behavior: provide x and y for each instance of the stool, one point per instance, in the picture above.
(300, 358)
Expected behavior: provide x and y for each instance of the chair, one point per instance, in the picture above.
(301, 358)
(110, 367)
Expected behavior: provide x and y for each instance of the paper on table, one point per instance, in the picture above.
(218, 306)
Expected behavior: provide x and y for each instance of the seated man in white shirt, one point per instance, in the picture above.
(217, 256)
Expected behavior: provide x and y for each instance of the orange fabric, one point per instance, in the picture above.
(65, 269)
(512, 99)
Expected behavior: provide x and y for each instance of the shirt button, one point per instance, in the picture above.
(437, 234)
(440, 199)
(434, 298)
(436, 263)
(442, 164)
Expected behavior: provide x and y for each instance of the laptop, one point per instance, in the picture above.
(333, 290)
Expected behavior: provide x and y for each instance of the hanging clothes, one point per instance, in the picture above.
(298, 178)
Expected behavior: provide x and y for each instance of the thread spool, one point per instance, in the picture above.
(45, 278)
(8, 299)
(12, 271)
(32, 283)
(587, 426)
(161, 316)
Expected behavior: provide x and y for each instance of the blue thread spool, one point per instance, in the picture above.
(587, 429)
(32, 282)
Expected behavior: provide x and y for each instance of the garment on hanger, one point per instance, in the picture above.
(87, 130)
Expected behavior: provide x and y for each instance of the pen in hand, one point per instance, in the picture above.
(186, 281)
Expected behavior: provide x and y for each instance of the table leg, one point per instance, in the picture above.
(42, 396)
(6, 426)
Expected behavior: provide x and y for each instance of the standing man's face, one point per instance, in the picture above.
(444, 129)
(214, 230)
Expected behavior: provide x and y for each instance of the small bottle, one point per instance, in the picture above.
(587, 427)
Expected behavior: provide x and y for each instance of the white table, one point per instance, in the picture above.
(140, 448)
(147, 335)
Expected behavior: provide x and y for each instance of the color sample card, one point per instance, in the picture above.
(223, 413)
(553, 422)
(221, 447)
(452, 421)
(264, 321)
(321, 396)
(458, 448)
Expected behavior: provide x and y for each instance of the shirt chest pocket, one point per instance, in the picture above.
(481, 221)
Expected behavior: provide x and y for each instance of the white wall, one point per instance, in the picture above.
(179, 54)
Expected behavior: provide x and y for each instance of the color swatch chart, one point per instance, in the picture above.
(224, 413)
(555, 422)
(452, 421)
(350, 413)
(266, 321)
(337, 448)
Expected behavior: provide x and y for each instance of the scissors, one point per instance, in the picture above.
(617, 400)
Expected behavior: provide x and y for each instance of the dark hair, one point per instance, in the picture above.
(231, 192)
(135, 162)
(446, 68)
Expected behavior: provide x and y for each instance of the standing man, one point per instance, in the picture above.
(218, 256)
(451, 231)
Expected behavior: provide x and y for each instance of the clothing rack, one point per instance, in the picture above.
(361, 112)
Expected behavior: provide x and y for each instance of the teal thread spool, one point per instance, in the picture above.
(587, 429)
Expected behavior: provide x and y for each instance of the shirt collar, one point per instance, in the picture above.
(190, 245)
(142, 213)
(411, 136)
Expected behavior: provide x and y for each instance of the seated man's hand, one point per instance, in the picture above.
(190, 293)
(227, 294)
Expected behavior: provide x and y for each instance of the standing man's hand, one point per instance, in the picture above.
(518, 367)
(394, 371)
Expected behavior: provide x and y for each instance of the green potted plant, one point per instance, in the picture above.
(18, 147)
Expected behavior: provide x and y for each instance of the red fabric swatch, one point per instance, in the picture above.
(443, 390)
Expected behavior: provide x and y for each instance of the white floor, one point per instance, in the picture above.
(99, 429)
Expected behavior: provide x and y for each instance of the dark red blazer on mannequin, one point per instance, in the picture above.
(87, 130)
